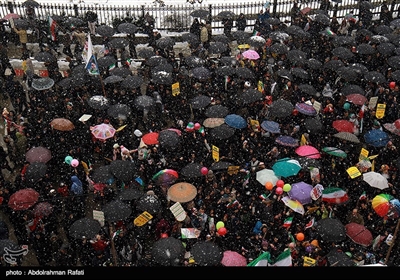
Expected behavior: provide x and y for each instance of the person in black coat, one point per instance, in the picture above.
(241, 22)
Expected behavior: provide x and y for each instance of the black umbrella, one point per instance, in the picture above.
(35, 171)
(146, 53)
(167, 67)
(118, 43)
(200, 13)
(156, 60)
(296, 31)
(297, 56)
(343, 40)
(342, 52)
(394, 61)
(116, 210)
(300, 73)
(106, 61)
(113, 79)
(206, 253)
(308, 89)
(337, 257)
(31, 3)
(123, 170)
(225, 70)
(132, 82)
(45, 57)
(7, 246)
(105, 30)
(66, 83)
(273, 21)
(144, 101)
(225, 14)
(122, 72)
(331, 230)
(149, 203)
(201, 73)
(169, 139)
(351, 89)
(377, 39)
(102, 174)
(200, 101)
(249, 96)
(279, 48)
(227, 61)
(347, 73)
(281, 108)
(220, 165)
(333, 64)
(386, 48)
(366, 49)
(4, 232)
(359, 68)
(383, 30)
(221, 38)
(244, 73)
(323, 19)
(42, 83)
(21, 23)
(165, 42)
(84, 227)
(256, 41)
(99, 102)
(168, 251)
(375, 77)
(194, 61)
(217, 47)
(217, 111)
(395, 76)
(130, 194)
(284, 73)
(191, 38)
(241, 36)
(313, 125)
(162, 78)
(278, 36)
(127, 27)
(119, 110)
(395, 23)
(222, 132)
(74, 21)
(192, 170)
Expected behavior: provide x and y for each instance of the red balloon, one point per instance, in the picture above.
(222, 231)
(204, 170)
(279, 190)
(280, 183)
(300, 236)
(197, 126)
(392, 85)
(397, 124)
(164, 235)
(269, 186)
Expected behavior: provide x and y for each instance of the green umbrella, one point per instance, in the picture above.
(335, 152)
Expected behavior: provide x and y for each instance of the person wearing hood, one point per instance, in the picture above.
(76, 186)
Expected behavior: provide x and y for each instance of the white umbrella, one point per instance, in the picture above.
(376, 180)
(266, 175)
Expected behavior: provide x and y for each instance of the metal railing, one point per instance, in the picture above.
(177, 17)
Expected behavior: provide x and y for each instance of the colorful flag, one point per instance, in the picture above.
(363, 196)
(246, 179)
(262, 260)
(52, 28)
(201, 130)
(91, 61)
(284, 259)
(329, 32)
(263, 196)
(310, 223)
(288, 222)
(233, 203)
(128, 61)
(334, 195)
(112, 67)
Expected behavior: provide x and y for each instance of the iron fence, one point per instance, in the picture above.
(177, 17)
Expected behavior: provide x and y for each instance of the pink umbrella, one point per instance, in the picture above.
(103, 131)
(232, 258)
(251, 54)
(308, 151)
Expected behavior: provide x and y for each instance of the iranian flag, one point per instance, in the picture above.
(284, 259)
(363, 196)
(262, 260)
(334, 196)
(288, 222)
(310, 223)
(52, 28)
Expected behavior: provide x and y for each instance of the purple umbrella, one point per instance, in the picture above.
(306, 109)
(287, 141)
(301, 191)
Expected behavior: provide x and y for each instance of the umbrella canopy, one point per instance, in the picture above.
(45, 57)
(103, 131)
(365, 49)
(308, 89)
(201, 73)
(127, 27)
(386, 48)
(200, 13)
(308, 151)
(194, 61)
(333, 64)
(200, 101)
(235, 121)
(285, 140)
(116, 210)
(123, 72)
(300, 73)
(84, 228)
(182, 192)
(150, 138)
(168, 251)
(221, 38)
(216, 111)
(249, 96)
(220, 165)
(313, 125)
(347, 136)
(42, 209)
(256, 41)
(123, 170)
(376, 180)
(343, 125)
(306, 109)
(331, 230)
(99, 102)
(213, 122)
(241, 36)
(130, 194)
(38, 154)
(251, 55)
(342, 52)
(295, 205)
(165, 42)
(225, 14)
(392, 128)
(10, 16)
(35, 171)
(131, 82)
(42, 83)
(381, 204)
(339, 258)
(222, 132)
(169, 139)
(105, 30)
(286, 167)
(281, 108)
(297, 56)
(232, 258)
(301, 192)
(106, 61)
(191, 38)
(271, 126)
(347, 73)
(334, 151)
(118, 43)
(279, 48)
(217, 47)
(359, 234)
(113, 79)
(144, 101)
(206, 253)
(266, 175)
(192, 170)
(351, 89)
(376, 138)
(62, 124)
(162, 78)
(23, 199)
(356, 99)
(102, 174)
(119, 111)
(149, 203)
(21, 23)
(314, 64)
(74, 21)
(156, 60)
(375, 77)
(244, 73)
(165, 177)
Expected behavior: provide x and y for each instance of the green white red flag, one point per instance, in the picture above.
(52, 28)
(334, 196)
(284, 259)
(288, 222)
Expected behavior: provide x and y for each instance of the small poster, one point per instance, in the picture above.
(363, 154)
(215, 153)
(190, 233)
(372, 102)
(316, 191)
(317, 106)
(99, 215)
(178, 211)
(353, 172)
(142, 219)
(380, 110)
(309, 261)
(233, 169)
(175, 89)
(85, 117)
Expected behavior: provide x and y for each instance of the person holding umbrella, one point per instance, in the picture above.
(23, 37)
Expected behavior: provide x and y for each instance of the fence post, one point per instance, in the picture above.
(274, 5)
(76, 10)
(142, 11)
(10, 6)
(210, 12)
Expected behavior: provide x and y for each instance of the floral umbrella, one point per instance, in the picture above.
(103, 131)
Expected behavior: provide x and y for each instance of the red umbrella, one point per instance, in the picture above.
(38, 154)
(23, 199)
(343, 126)
(232, 258)
(150, 138)
(359, 234)
(356, 98)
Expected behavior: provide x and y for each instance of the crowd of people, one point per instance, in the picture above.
(253, 216)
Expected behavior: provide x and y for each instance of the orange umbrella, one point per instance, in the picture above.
(62, 124)
(182, 192)
(150, 138)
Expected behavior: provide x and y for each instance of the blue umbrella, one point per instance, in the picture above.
(286, 167)
(376, 138)
(287, 141)
(235, 121)
(271, 126)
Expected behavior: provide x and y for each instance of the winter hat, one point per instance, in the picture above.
(138, 133)
(247, 84)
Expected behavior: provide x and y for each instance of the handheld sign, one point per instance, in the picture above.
(142, 219)
(380, 110)
(178, 211)
(353, 172)
(215, 153)
(99, 215)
